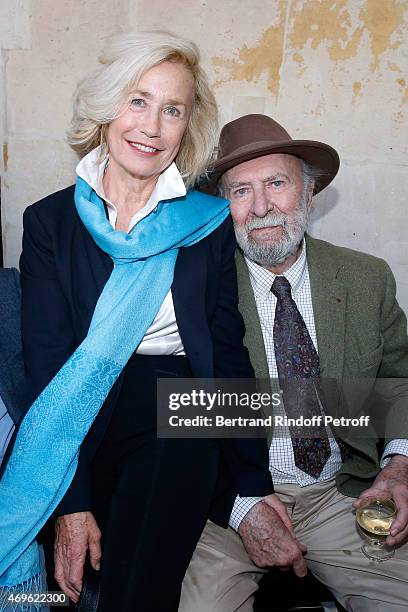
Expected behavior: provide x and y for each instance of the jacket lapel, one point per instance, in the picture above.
(92, 270)
(100, 264)
(329, 297)
(329, 308)
(189, 299)
(253, 339)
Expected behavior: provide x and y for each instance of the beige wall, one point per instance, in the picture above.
(334, 70)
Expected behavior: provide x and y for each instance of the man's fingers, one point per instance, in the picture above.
(401, 503)
(399, 524)
(399, 538)
(302, 547)
(371, 493)
(395, 541)
(286, 520)
(267, 540)
(299, 567)
(274, 502)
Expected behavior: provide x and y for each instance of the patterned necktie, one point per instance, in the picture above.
(298, 367)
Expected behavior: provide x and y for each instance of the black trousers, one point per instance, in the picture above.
(152, 496)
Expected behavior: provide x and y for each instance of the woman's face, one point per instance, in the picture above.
(145, 138)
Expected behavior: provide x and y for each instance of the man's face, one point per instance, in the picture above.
(269, 206)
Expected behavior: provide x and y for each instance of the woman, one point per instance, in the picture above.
(128, 279)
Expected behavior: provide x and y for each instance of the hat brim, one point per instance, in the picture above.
(317, 154)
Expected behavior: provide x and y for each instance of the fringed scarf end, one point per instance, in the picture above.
(11, 596)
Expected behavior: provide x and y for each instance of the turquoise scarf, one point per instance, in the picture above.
(45, 455)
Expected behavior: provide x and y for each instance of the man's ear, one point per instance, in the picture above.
(310, 192)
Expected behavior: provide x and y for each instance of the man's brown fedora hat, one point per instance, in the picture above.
(252, 136)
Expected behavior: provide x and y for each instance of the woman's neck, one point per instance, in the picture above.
(128, 193)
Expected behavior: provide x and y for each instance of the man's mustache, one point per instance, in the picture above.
(270, 220)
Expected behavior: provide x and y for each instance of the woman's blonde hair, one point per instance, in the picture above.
(100, 96)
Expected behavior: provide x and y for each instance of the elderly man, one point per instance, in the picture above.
(312, 311)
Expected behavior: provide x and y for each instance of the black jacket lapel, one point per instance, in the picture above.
(188, 291)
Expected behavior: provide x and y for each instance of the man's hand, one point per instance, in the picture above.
(268, 537)
(274, 502)
(392, 481)
(74, 533)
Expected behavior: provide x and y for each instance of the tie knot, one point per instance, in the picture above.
(281, 287)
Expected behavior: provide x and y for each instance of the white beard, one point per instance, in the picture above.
(273, 253)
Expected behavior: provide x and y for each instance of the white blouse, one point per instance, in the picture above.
(162, 337)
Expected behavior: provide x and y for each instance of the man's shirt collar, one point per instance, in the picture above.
(262, 279)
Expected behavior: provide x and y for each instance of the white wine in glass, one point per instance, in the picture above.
(374, 519)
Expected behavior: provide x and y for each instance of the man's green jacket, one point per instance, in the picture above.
(362, 340)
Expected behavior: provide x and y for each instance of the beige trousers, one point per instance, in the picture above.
(222, 578)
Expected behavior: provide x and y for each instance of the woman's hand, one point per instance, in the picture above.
(74, 533)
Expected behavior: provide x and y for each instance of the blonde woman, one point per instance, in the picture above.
(128, 277)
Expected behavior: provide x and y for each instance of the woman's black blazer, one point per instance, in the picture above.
(63, 273)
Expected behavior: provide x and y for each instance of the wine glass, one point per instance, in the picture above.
(374, 519)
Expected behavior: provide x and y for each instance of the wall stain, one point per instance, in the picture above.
(5, 156)
(381, 18)
(300, 62)
(403, 84)
(319, 109)
(313, 23)
(394, 67)
(265, 57)
(342, 29)
(356, 90)
(327, 21)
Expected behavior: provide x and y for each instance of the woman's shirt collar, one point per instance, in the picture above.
(169, 185)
